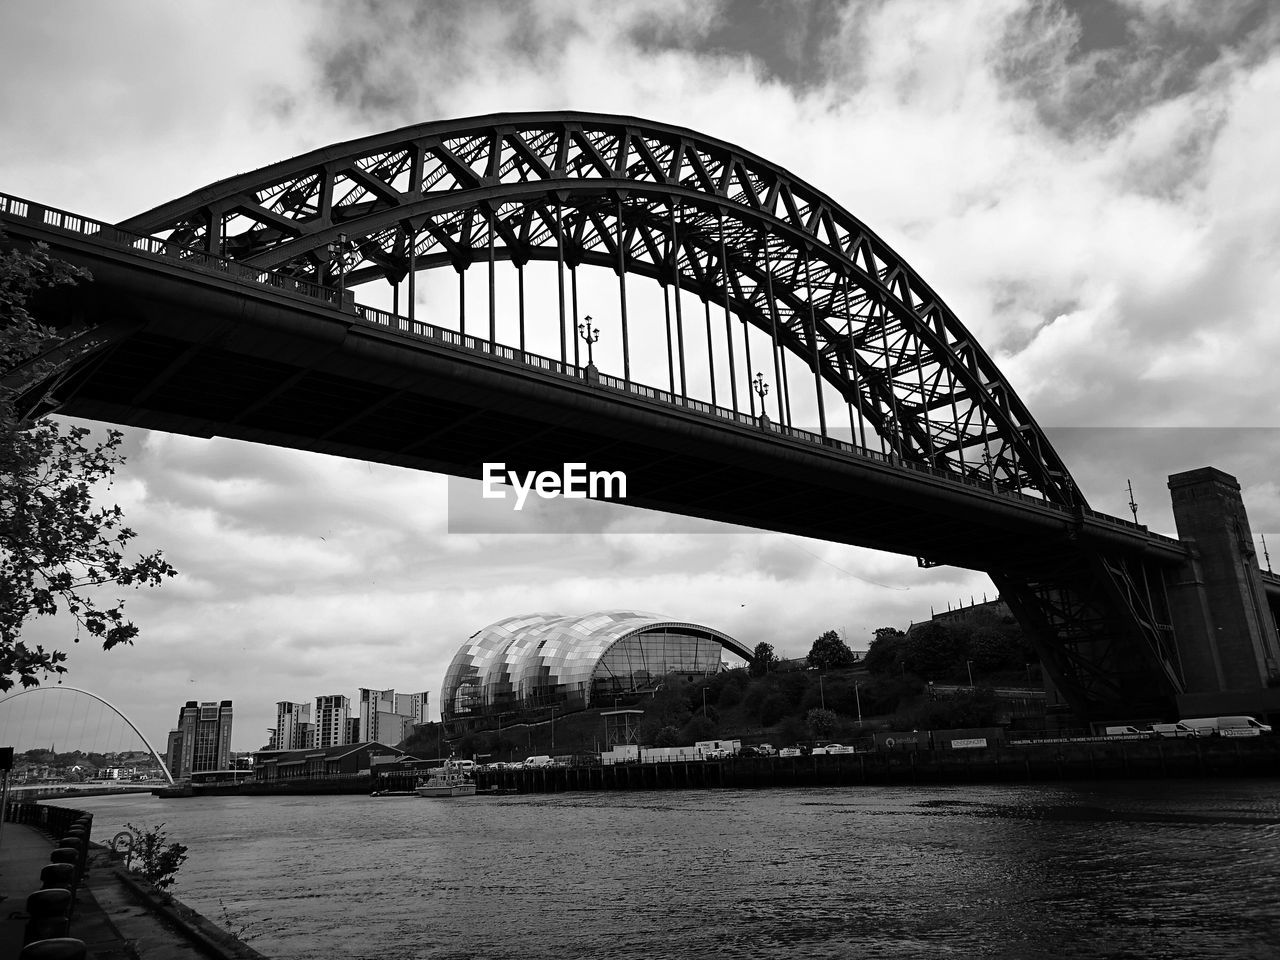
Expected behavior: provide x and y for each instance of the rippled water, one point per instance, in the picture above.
(1153, 870)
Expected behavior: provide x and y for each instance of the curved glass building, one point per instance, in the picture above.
(543, 659)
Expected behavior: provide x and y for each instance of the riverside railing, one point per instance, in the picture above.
(53, 820)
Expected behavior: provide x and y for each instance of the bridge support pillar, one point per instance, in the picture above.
(1226, 633)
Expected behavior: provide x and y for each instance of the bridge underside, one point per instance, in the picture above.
(163, 347)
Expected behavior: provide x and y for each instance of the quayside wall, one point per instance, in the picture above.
(1119, 759)
(1018, 762)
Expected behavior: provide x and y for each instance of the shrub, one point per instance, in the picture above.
(153, 856)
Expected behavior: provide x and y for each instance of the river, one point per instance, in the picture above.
(1156, 870)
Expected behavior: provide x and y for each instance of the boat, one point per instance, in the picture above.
(446, 781)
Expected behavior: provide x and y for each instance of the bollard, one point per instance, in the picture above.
(49, 915)
(60, 875)
(81, 846)
(82, 839)
(67, 855)
(57, 948)
(61, 854)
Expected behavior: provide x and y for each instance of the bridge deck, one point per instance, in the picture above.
(201, 345)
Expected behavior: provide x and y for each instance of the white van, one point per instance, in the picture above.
(1126, 731)
(1227, 726)
(1174, 730)
(542, 760)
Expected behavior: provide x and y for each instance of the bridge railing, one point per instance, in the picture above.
(149, 246)
(429, 331)
(191, 256)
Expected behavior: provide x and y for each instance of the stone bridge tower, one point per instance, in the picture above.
(1226, 631)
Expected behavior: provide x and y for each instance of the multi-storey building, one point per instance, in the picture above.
(202, 740)
(294, 729)
(173, 751)
(413, 705)
(388, 717)
(331, 716)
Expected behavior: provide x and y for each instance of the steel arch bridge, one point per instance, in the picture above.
(697, 214)
(706, 220)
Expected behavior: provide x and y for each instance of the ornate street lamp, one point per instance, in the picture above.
(591, 335)
(339, 251)
(762, 390)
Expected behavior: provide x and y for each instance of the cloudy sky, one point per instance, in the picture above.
(1090, 185)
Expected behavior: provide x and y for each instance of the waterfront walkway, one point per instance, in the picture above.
(114, 921)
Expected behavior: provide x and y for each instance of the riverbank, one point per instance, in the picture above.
(116, 914)
(909, 761)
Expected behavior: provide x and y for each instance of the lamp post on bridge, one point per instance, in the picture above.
(339, 250)
(590, 334)
(762, 390)
(969, 666)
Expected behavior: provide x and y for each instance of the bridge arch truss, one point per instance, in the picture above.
(695, 214)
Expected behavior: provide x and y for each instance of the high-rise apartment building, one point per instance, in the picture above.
(332, 713)
(373, 703)
(413, 705)
(294, 729)
(389, 717)
(202, 740)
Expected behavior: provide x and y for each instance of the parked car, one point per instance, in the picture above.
(1174, 730)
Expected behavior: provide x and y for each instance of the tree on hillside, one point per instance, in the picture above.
(698, 728)
(762, 659)
(821, 723)
(56, 543)
(936, 651)
(829, 652)
(667, 736)
(885, 653)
